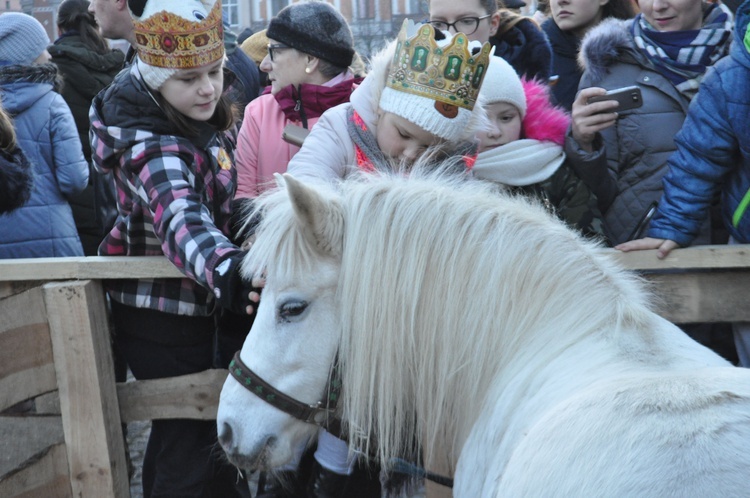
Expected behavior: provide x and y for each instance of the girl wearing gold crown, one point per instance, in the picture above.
(160, 127)
(419, 95)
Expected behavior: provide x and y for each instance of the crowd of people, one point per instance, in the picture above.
(162, 150)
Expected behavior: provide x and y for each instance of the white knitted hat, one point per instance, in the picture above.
(502, 84)
(165, 44)
(411, 69)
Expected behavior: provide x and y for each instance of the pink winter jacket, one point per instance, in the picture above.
(261, 151)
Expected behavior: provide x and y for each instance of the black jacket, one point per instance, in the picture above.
(85, 73)
(526, 48)
(564, 64)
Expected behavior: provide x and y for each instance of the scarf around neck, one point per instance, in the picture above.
(683, 56)
(307, 101)
(520, 163)
(365, 144)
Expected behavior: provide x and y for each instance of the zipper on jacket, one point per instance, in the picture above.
(740, 211)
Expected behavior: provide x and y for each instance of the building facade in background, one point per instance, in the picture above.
(372, 21)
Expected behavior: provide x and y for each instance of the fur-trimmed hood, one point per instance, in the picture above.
(543, 121)
(21, 86)
(16, 179)
(604, 45)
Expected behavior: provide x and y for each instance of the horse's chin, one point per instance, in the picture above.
(266, 455)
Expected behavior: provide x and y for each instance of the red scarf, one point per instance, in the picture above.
(310, 101)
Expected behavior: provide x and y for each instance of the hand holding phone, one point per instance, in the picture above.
(628, 97)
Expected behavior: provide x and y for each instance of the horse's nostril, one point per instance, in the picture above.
(225, 435)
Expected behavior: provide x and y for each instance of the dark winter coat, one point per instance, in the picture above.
(85, 73)
(47, 134)
(564, 64)
(625, 170)
(247, 85)
(525, 47)
(713, 151)
(16, 180)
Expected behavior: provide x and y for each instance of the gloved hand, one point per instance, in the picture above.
(231, 290)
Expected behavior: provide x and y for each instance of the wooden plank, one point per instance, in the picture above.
(194, 396)
(48, 403)
(45, 269)
(88, 400)
(699, 257)
(24, 438)
(13, 288)
(108, 267)
(703, 297)
(46, 476)
(26, 363)
(93, 267)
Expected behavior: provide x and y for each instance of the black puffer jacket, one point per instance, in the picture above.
(85, 73)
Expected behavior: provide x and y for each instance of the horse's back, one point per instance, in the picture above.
(660, 435)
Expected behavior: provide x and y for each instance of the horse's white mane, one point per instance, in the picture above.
(443, 280)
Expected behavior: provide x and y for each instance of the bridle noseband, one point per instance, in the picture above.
(320, 414)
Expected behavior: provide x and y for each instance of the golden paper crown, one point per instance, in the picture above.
(173, 42)
(449, 74)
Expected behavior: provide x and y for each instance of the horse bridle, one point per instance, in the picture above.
(320, 414)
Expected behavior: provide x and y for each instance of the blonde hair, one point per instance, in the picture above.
(7, 132)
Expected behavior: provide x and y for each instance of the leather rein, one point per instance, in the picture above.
(320, 413)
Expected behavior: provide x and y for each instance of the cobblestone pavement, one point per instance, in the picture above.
(137, 439)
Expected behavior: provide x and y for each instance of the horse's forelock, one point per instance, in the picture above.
(440, 280)
(426, 263)
(280, 243)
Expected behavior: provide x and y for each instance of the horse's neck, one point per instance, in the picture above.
(536, 382)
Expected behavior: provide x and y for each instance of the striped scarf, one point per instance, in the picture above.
(370, 158)
(369, 155)
(683, 56)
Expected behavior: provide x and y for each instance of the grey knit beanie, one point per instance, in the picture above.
(315, 28)
(22, 39)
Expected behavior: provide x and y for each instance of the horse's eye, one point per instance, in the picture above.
(291, 309)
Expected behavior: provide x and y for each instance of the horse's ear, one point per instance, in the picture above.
(321, 218)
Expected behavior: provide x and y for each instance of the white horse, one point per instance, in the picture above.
(490, 334)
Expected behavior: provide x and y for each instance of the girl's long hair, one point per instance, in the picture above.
(74, 15)
(7, 132)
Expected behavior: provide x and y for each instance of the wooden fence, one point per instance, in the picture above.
(55, 348)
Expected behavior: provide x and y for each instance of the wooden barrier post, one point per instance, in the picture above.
(88, 399)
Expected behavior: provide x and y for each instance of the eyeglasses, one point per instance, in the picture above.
(272, 47)
(465, 25)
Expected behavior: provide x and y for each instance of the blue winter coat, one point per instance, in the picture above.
(713, 151)
(48, 136)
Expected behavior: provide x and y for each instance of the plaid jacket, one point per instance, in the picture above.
(174, 196)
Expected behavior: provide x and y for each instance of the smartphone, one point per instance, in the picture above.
(629, 97)
(294, 134)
